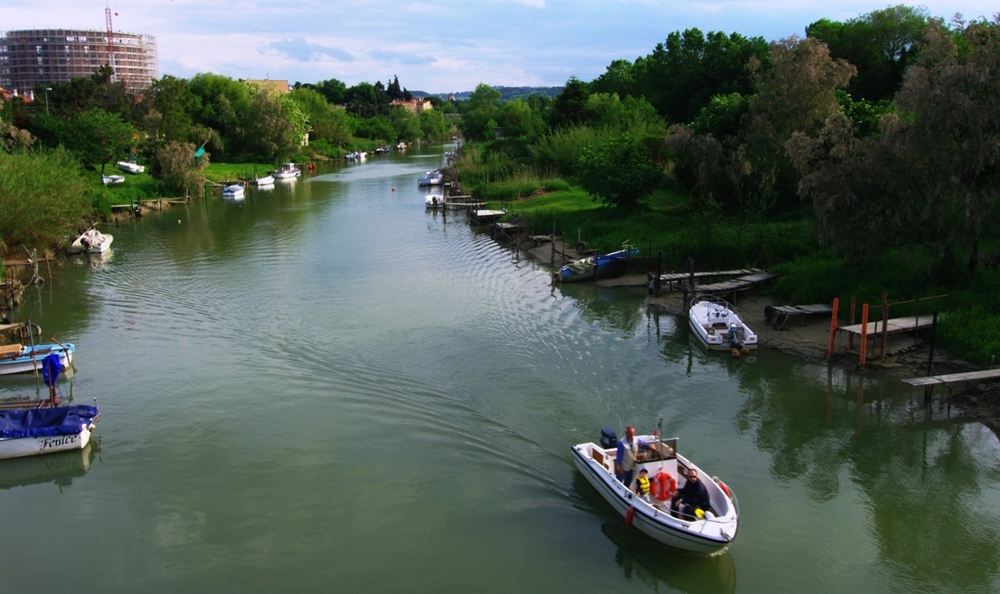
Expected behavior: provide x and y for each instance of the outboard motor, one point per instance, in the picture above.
(608, 438)
(734, 338)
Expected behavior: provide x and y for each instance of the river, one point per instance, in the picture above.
(325, 387)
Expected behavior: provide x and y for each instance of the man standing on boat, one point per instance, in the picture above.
(625, 459)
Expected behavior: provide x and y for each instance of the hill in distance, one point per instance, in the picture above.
(506, 93)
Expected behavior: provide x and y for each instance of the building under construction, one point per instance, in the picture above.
(47, 56)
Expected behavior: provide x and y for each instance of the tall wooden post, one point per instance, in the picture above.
(929, 390)
(833, 326)
(864, 334)
(850, 337)
(885, 322)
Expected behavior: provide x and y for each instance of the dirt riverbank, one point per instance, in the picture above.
(810, 339)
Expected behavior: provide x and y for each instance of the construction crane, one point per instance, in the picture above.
(111, 43)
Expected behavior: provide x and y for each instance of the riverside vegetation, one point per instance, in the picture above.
(856, 160)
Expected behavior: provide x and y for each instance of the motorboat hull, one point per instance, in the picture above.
(709, 535)
(717, 327)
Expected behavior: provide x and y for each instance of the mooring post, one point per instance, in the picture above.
(659, 271)
(833, 326)
(929, 390)
(885, 322)
(850, 336)
(864, 335)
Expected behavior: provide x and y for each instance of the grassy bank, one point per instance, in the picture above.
(670, 225)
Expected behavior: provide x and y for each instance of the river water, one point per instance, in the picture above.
(327, 388)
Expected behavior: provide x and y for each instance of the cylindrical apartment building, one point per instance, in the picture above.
(46, 56)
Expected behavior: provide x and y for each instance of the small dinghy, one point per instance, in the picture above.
(233, 192)
(709, 531)
(598, 266)
(16, 358)
(91, 241)
(718, 327)
(33, 431)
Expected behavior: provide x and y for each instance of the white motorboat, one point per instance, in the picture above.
(717, 326)
(287, 171)
(401, 145)
(267, 180)
(708, 532)
(434, 200)
(234, 191)
(29, 432)
(92, 241)
(431, 178)
(111, 180)
(131, 167)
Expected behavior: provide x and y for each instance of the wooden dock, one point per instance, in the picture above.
(780, 314)
(968, 377)
(891, 326)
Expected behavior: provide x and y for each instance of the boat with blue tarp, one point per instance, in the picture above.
(598, 266)
(34, 431)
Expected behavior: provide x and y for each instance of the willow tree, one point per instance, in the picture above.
(933, 176)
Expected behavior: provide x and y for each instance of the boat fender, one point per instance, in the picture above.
(664, 486)
(736, 353)
(628, 516)
(725, 488)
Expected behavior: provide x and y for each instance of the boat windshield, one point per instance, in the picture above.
(661, 449)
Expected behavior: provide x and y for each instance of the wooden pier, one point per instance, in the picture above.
(780, 314)
(969, 378)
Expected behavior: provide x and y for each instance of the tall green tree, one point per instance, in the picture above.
(880, 44)
(618, 172)
(98, 137)
(933, 176)
(481, 113)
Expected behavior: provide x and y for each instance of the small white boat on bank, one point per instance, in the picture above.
(112, 180)
(233, 192)
(131, 167)
(267, 180)
(709, 532)
(717, 326)
(91, 241)
(34, 431)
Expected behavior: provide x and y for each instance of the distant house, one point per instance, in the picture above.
(278, 85)
(414, 105)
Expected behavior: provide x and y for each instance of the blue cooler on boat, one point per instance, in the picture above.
(608, 438)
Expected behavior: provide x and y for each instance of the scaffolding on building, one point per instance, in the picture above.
(43, 57)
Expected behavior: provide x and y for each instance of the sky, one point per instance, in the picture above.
(435, 46)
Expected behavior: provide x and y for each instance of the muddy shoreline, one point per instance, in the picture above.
(810, 339)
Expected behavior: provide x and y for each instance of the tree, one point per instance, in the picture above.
(934, 173)
(570, 106)
(483, 107)
(433, 124)
(881, 44)
(333, 90)
(179, 169)
(98, 137)
(618, 172)
(405, 124)
(275, 124)
(326, 121)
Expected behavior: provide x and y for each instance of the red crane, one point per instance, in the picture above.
(111, 42)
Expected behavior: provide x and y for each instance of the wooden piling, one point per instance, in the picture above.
(864, 335)
(833, 326)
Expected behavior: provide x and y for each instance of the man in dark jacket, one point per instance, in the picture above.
(691, 497)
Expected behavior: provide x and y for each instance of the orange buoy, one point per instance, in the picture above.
(664, 486)
(628, 516)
